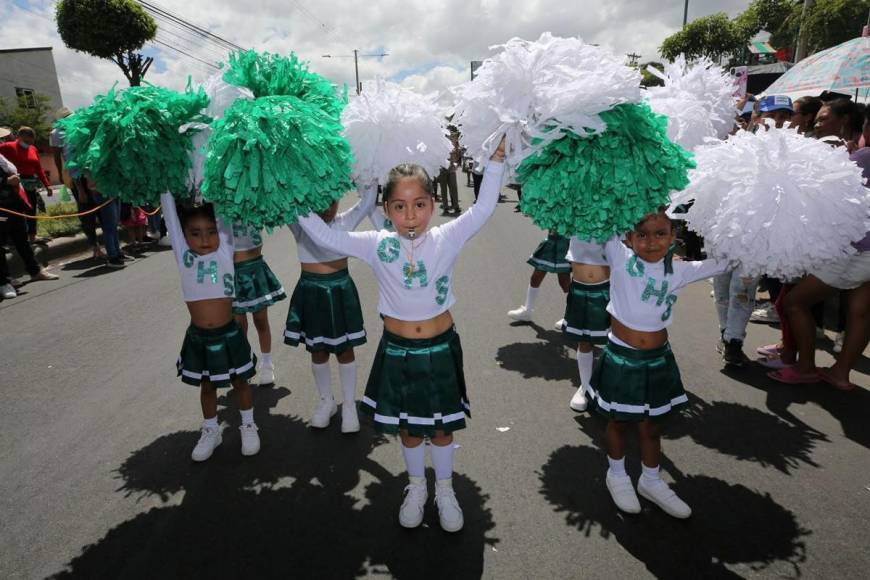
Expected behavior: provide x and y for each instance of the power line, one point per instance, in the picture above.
(158, 41)
(190, 44)
(156, 9)
(194, 38)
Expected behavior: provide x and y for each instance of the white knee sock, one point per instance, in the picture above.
(247, 416)
(531, 296)
(322, 379)
(415, 459)
(584, 364)
(347, 372)
(266, 359)
(442, 461)
(617, 466)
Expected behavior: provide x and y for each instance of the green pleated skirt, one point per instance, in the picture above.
(257, 287)
(215, 354)
(417, 385)
(325, 313)
(550, 255)
(633, 385)
(586, 316)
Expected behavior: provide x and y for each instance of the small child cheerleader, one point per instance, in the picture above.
(417, 387)
(325, 314)
(636, 379)
(548, 257)
(215, 352)
(586, 317)
(257, 288)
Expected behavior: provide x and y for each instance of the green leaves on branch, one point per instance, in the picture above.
(274, 158)
(104, 28)
(129, 143)
(598, 186)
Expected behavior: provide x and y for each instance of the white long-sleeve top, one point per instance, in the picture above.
(415, 281)
(581, 252)
(202, 277)
(310, 251)
(246, 237)
(642, 296)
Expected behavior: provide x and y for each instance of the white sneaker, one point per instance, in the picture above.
(449, 512)
(266, 376)
(416, 494)
(766, 313)
(326, 408)
(521, 314)
(560, 324)
(8, 291)
(349, 417)
(838, 342)
(663, 496)
(622, 492)
(250, 439)
(578, 401)
(208, 442)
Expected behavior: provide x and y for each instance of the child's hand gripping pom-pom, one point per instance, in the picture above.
(602, 184)
(532, 91)
(391, 125)
(697, 98)
(778, 202)
(129, 141)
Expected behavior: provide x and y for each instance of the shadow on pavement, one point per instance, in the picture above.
(285, 513)
(731, 524)
(550, 358)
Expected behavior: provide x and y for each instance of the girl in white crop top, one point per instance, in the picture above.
(416, 387)
(215, 352)
(325, 313)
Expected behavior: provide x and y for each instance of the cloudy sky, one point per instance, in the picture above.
(430, 43)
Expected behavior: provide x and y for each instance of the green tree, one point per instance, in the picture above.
(33, 111)
(715, 36)
(832, 22)
(647, 78)
(110, 29)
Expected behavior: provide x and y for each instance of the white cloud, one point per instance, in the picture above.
(429, 43)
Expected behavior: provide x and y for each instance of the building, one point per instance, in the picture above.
(25, 72)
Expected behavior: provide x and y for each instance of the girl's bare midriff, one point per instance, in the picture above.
(637, 338)
(242, 255)
(419, 328)
(212, 313)
(325, 267)
(589, 273)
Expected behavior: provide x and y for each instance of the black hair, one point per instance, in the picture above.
(662, 211)
(187, 212)
(404, 171)
(809, 105)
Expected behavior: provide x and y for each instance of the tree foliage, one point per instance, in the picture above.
(110, 29)
(714, 36)
(33, 111)
(647, 78)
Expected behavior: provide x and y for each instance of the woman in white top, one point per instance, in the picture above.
(417, 387)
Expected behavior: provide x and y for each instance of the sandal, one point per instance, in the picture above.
(769, 350)
(790, 376)
(825, 375)
(773, 362)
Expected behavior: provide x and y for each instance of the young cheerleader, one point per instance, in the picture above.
(636, 379)
(215, 352)
(325, 313)
(417, 387)
(257, 288)
(548, 257)
(586, 317)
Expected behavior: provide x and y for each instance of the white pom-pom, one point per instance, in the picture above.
(533, 90)
(391, 125)
(776, 201)
(698, 100)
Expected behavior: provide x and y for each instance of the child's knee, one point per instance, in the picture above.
(441, 439)
(346, 356)
(320, 357)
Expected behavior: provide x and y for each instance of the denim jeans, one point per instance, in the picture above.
(735, 301)
(110, 215)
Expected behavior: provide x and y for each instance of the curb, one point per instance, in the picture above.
(56, 249)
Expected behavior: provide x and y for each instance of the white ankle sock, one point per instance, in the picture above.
(442, 460)
(651, 474)
(531, 296)
(415, 459)
(584, 364)
(266, 359)
(247, 416)
(211, 423)
(323, 379)
(617, 466)
(347, 372)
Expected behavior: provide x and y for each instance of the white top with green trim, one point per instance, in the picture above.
(246, 237)
(581, 252)
(415, 282)
(310, 251)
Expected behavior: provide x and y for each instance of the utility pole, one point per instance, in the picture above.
(632, 58)
(801, 51)
(685, 13)
(355, 56)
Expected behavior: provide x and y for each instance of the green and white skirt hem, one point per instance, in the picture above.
(550, 254)
(218, 355)
(257, 287)
(586, 316)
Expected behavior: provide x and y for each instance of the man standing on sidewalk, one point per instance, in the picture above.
(24, 156)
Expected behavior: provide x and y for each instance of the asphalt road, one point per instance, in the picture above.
(96, 480)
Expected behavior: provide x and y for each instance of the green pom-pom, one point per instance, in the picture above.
(129, 143)
(598, 186)
(272, 159)
(269, 75)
